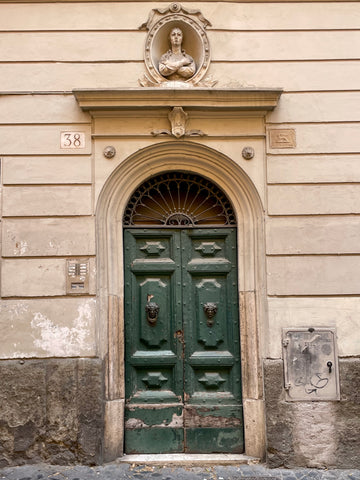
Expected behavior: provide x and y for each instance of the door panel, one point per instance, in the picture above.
(183, 365)
(212, 415)
(154, 364)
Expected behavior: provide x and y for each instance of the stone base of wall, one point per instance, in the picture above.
(51, 411)
(313, 434)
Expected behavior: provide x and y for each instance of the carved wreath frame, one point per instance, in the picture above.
(196, 24)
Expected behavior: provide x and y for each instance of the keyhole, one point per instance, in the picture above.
(329, 365)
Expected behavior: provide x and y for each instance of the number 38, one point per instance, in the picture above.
(72, 140)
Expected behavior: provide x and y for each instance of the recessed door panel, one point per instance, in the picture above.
(211, 334)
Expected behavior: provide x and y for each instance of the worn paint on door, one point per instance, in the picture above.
(183, 384)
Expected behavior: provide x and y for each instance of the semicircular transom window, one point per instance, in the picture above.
(178, 199)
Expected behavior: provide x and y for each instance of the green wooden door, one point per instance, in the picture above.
(183, 383)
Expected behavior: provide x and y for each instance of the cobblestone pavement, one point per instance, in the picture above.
(116, 471)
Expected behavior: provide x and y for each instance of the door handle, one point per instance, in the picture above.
(179, 334)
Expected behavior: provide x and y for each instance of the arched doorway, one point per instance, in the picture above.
(182, 353)
(199, 160)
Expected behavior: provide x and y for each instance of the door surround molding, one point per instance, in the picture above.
(238, 187)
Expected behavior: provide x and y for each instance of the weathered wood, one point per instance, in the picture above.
(197, 366)
(196, 416)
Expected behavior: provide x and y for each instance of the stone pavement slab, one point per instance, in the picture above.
(123, 471)
(189, 459)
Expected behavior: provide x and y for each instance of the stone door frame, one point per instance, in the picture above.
(198, 159)
(215, 104)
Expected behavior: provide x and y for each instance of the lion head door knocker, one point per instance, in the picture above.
(177, 51)
(152, 311)
(210, 310)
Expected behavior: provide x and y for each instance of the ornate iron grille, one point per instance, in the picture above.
(178, 199)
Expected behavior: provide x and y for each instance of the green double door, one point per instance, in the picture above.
(183, 373)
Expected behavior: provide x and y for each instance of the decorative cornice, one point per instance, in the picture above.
(153, 98)
(174, 8)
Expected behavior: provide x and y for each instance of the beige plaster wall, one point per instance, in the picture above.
(47, 218)
(310, 192)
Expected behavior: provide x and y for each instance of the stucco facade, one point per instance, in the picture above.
(280, 78)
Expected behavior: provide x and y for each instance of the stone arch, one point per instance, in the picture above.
(217, 167)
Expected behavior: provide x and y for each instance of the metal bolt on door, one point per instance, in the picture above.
(183, 383)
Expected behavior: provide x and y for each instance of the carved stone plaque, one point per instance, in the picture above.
(311, 364)
(282, 138)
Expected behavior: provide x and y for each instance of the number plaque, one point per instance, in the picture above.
(72, 140)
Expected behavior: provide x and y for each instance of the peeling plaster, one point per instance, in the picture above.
(63, 341)
(17, 310)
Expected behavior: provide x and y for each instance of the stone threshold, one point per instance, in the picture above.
(189, 459)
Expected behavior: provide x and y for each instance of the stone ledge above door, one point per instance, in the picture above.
(261, 99)
(178, 113)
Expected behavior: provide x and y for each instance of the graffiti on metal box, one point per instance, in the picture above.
(310, 364)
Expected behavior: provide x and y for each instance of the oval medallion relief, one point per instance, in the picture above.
(177, 49)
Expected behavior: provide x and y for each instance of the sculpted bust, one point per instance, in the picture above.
(176, 64)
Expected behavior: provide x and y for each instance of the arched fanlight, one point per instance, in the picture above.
(178, 199)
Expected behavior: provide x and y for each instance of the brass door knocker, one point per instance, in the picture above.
(152, 312)
(210, 310)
